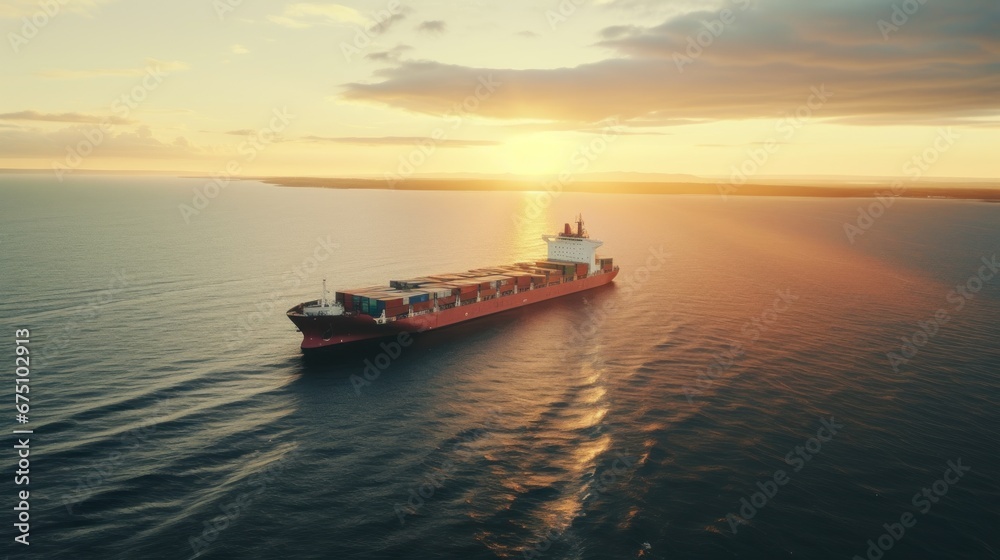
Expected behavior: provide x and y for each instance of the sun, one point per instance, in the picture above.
(536, 155)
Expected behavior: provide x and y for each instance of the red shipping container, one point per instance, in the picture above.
(446, 300)
(397, 311)
(487, 293)
(423, 306)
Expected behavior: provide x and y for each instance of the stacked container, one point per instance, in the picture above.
(424, 293)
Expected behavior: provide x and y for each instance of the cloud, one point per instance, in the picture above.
(152, 65)
(238, 49)
(656, 10)
(940, 67)
(527, 34)
(62, 117)
(398, 141)
(53, 145)
(392, 54)
(384, 25)
(433, 27)
(302, 15)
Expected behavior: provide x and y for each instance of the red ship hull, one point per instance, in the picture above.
(330, 331)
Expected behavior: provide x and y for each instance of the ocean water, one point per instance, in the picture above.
(755, 385)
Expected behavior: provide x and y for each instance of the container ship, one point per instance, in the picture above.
(441, 300)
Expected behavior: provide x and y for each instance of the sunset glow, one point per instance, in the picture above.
(499, 87)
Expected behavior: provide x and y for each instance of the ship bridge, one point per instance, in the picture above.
(574, 246)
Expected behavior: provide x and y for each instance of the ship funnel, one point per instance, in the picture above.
(567, 230)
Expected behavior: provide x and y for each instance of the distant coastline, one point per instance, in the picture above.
(922, 189)
(986, 190)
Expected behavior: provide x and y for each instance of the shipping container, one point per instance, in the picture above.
(487, 293)
(422, 306)
(410, 283)
(565, 268)
(455, 290)
(419, 298)
(397, 311)
(446, 300)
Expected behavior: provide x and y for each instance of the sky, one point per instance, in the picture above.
(713, 88)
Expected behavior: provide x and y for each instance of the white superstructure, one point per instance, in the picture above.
(575, 247)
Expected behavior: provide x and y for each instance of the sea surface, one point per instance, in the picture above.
(756, 384)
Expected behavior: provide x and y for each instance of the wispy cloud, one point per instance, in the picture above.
(304, 14)
(433, 27)
(62, 117)
(238, 49)
(151, 64)
(392, 54)
(51, 145)
(397, 141)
